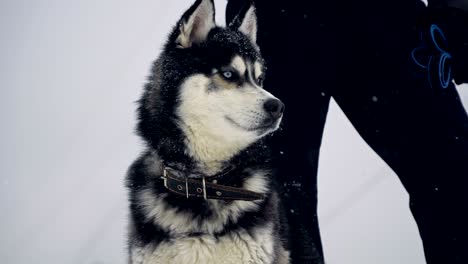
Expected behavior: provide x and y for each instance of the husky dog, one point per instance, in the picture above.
(203, 190)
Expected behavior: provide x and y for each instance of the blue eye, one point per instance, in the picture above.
(227, 74)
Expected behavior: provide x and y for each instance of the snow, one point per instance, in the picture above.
(70, 72)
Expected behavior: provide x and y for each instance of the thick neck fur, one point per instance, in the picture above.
(210, 156)
(210, 152)
(176, 215)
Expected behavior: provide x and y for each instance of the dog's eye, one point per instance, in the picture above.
(227, 74)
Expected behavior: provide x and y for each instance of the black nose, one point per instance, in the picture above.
(274, 107)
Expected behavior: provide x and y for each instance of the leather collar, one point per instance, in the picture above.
(177, 182)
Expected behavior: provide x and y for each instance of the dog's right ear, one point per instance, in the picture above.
(245, 21)
(196, 23)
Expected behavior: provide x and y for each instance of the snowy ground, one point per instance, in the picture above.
(70, 72)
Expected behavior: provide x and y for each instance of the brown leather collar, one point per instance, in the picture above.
(201, 188)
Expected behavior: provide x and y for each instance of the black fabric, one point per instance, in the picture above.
(360, 53)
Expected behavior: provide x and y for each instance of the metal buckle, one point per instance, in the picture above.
(204, 188)
(186, 187)
(165, 177)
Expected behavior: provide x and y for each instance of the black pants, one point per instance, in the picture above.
(361, 56)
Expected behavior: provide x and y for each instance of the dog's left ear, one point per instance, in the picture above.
(246, 21)
(196, 23)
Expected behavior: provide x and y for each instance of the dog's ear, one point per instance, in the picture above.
(246, 21)
(196, 23)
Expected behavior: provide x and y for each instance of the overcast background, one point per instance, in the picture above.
(70, 72)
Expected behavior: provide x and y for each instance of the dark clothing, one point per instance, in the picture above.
(359, 53)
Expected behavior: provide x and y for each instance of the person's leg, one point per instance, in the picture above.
(298, 75)
(419, 129)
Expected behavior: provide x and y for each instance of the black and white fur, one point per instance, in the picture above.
(202, 110)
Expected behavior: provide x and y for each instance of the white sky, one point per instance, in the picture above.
(70, 72)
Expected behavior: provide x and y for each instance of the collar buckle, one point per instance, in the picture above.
(204, 188)
(164, 177)
(186, 187)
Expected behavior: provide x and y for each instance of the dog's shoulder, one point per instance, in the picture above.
(146, 167)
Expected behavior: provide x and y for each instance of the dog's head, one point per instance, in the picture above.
(208, 84)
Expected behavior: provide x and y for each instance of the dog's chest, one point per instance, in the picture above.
(234, 248)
